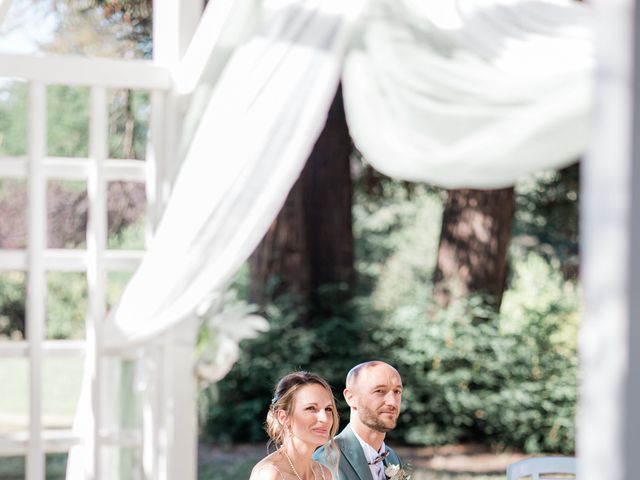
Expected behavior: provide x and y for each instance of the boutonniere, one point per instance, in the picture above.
(394, 472)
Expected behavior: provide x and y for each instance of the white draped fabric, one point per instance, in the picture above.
(470, 93)
(457, 93)
(460, 93)
(257, 130)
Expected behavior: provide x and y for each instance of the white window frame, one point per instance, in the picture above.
(36, 260)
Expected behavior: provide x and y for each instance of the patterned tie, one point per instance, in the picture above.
(379, 458)
(379, 465)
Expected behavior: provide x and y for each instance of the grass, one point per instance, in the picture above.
(61, 388)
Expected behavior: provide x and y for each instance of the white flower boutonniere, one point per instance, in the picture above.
(394, 472)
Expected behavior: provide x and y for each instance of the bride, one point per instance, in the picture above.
(302, 416)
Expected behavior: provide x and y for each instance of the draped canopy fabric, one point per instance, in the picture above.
(470, 93)
(459, 93)
(253, 138)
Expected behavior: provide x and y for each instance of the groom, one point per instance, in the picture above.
(374, 392)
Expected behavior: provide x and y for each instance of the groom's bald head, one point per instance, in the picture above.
(357, 372)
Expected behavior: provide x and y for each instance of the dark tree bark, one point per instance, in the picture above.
(472, 256)
(310, 244)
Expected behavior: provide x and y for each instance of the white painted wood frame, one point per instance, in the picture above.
(608, 417)
(36, 277)
(173, 432)
(36, 260)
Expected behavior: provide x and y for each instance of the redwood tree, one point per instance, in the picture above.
(472, 256)
(310, 243)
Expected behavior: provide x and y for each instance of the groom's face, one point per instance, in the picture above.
(376, 397)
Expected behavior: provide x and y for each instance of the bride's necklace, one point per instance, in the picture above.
(294, 468)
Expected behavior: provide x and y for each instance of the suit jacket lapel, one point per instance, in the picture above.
(392, 458)
(352, 452)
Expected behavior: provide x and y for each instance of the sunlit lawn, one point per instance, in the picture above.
(61, 387)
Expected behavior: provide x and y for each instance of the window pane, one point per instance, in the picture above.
(14, 395)
(128, 461)
(13, 117)
(66, 214)
(12, 305)
(61, 389)
(12, 468)
(116, 283)
(128, 123)
(66, 305)
(56, 466)
(13, 220)
(127, 205)
(68, 121)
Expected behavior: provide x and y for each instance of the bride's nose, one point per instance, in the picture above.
(323, 416)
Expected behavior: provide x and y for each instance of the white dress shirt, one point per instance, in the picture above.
(377, 469)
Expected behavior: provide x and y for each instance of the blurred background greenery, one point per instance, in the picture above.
(508, 381)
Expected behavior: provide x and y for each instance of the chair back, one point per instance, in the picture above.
(543, 468)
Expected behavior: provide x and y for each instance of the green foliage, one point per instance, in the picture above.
(238, 405)
(66, 305)
(13, 118)
(67, 121)
(130, 236)
(508, 380)
(396, 234)
(546, 217)
(12, 295)
(473, 381)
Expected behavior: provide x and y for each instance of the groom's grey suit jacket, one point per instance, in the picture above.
(352, 464)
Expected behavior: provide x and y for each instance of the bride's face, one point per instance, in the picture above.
(311, 418)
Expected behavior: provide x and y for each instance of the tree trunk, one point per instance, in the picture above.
(310, 244)
(472, 256)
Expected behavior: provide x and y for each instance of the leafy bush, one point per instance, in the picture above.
(236, 407)
(473, 381)
(12, 313)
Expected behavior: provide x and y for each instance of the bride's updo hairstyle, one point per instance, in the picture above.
(284, 399)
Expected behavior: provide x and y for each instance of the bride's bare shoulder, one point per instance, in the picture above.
(266, 469)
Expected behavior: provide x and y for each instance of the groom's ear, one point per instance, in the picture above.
(348, 396)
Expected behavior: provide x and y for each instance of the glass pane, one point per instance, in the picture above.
(12, 305)
(13, 117)
(14, 395)
(12, 468)
(128, 123)
(66, 214)
(128, 462)
(66, 305)
(56, 465)
(61, 389)
(127, 205)
(116, 283)
(13, 220)
(68, 121)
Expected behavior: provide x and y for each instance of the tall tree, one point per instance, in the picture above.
(310, 243)
(472, 255)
